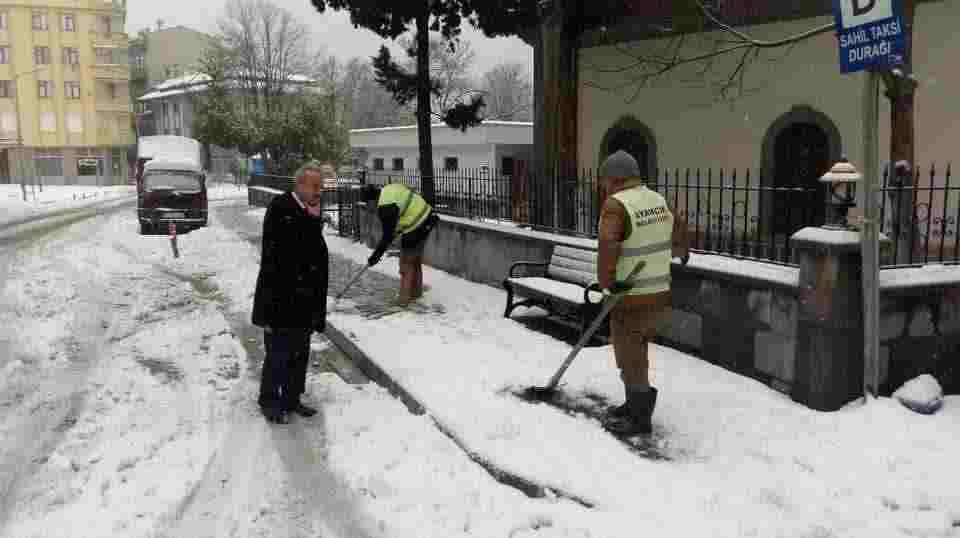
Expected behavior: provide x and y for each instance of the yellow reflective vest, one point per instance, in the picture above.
(648, 240)
(413, 208)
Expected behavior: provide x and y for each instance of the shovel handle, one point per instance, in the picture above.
(608, 305)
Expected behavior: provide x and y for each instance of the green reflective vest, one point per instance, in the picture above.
(651, 227)
(413, 208)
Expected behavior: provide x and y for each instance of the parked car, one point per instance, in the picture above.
(171, 184)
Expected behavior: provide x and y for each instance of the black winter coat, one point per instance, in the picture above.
(292, 284)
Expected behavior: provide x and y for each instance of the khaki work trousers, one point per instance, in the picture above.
(633, 325)
(411, 276)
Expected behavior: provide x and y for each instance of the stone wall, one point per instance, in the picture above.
(920, 325)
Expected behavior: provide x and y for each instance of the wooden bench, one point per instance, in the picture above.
(565, 286)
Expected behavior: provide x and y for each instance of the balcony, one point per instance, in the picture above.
(118, 105)
(119, 72)
(108, 40)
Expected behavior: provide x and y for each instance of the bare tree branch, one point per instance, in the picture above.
(716, 41)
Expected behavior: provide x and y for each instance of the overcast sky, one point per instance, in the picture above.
(331, 31)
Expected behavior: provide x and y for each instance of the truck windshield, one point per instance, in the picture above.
(171, 180)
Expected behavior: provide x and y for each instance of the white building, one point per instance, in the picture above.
(492, 147)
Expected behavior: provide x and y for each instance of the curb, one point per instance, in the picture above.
(372, 370)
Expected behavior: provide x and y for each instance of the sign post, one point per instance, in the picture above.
(872, 37)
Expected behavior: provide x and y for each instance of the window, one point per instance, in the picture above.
(69, 22)
(112, 90)
(138, 61)
(398, 164)
(179, 181)
(48, 123)
(104, 56)
(378, 164)
(506, 166)
(71, 56)
(41, 55)
(72, 89)
(39, 21)
(6, 88)
(8, 122)
(451, 164)
(74, 122)
(3, 20)
(46, 88)
(4, 55)
(105, 24)
(49, 164)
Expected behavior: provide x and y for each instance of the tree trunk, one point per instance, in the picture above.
(427, 188)
(555, 158)
(901, 93)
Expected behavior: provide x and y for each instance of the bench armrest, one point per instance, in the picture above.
(594, 286)
(518, 265)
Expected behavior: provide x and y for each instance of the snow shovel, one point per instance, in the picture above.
(544, 393)
(351, 283)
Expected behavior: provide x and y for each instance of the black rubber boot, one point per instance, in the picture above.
(637, 419)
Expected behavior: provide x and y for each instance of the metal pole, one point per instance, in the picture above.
(870, 236)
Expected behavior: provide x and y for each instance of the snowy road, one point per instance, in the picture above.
(127, 383)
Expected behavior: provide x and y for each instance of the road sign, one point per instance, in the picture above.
(871, 34)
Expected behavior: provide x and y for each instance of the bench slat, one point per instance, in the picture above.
(575, 265)
(589, 256)
(569, 275)
(568, 293)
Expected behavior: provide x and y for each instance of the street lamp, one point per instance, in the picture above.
(841, 182)
(16, 104)
(16, 98)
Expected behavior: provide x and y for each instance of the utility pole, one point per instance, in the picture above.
(870, 233)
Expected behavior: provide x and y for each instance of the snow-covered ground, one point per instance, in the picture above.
(746, 461)
(127, 409)
(13, 207)
(155, 432)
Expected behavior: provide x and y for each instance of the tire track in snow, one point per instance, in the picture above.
(253, 457)
(59, 396)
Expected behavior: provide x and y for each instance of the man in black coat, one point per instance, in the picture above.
(290, 301)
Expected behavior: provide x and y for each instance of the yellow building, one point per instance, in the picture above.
(65, 113)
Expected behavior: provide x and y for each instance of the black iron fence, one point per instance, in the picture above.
(727, 212)
(730, 212)
(921, 214)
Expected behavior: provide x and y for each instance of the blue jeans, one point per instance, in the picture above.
(284, 374)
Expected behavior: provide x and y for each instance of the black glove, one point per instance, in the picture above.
(620, 286)
(374, 258)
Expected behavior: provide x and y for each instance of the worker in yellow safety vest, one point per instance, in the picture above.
(403, 212)
(636, 226)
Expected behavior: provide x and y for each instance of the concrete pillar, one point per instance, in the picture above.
(829, 354)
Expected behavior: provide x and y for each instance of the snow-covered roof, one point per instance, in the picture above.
(197, 82)
(174, 162)
(150, 147)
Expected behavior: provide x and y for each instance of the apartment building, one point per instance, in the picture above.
(65, 112)
(157, 55)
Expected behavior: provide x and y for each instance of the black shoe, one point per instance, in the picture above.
(276, 416)
(635, 419)
(303, 410)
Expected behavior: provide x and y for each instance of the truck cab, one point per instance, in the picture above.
(171, 185)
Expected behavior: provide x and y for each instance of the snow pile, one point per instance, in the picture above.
(14, 208)
(921, 394)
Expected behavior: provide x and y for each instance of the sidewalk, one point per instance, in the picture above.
(743, 459)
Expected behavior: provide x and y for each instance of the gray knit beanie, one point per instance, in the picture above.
(620, 164)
